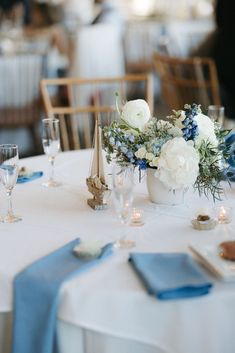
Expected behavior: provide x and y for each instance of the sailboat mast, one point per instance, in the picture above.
(98, 146)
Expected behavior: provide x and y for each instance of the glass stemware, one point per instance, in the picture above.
(9, 172)
(123, 184)
(51, 146)
(216, 113)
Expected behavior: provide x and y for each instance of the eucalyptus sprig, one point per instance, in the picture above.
(210, 172)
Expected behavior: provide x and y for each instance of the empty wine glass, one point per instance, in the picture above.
(8, 174)
(123, 184)
(51, 146)
(216, 113)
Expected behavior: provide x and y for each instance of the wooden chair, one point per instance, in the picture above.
(20, 103)
(81, 99)
(191, 80)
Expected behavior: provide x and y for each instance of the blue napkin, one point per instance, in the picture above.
(170, 275)
(36, 297)
(26, 178)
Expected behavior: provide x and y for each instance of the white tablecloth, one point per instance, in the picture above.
(109, 302)
(143, 38)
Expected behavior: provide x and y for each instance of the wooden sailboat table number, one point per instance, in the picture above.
(96, 181)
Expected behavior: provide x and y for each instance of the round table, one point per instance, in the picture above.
(107, 309)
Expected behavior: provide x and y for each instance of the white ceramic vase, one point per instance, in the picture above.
(160, 194)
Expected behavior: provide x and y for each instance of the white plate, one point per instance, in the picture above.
(209, 256)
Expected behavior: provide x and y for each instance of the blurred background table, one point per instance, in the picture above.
(78, 43)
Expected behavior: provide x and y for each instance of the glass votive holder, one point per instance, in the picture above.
(137, 217)
(224, 214)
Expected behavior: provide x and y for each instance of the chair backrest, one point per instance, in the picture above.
(76, 109)
(19, 89)
(191, 80)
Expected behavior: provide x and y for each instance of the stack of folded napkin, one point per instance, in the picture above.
(36, 297)
(170, 275)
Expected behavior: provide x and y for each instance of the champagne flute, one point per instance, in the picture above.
(51, 146)
(123, 185)
(9, 172)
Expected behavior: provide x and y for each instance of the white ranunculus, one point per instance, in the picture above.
(206, 130)
(141, 153)
(178, 164)
(154, 162)
(136, 113)
(149, 156)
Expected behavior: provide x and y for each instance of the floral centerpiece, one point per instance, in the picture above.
(187, 149)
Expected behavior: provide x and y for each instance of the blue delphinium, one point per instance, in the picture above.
(156, 144)
(131, 138)
(230, 144)
(124, 149)
(190, 130)
(130, 154)
(112, 141)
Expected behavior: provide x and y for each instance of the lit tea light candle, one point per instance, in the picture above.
(137, 217)
(224, 214)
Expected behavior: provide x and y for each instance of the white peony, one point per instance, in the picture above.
(206, 130)
(136, 113)
(178, 164)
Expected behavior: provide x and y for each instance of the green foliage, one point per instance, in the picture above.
(210, 173)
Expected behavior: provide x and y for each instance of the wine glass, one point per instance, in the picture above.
(123, 185)
(9, 172)
(216, 113)
(51, 146)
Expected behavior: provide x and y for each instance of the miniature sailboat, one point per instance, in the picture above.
(96, 182)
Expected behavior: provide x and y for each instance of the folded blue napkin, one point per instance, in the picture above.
(26, 178)
(36, 297)
(170, 275)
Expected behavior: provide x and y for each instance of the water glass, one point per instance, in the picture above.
(123, 185)
(51, 146)
(216, 113)
(8, 174)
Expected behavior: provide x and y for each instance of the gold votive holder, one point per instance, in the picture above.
(224, 214)
(137, 217)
